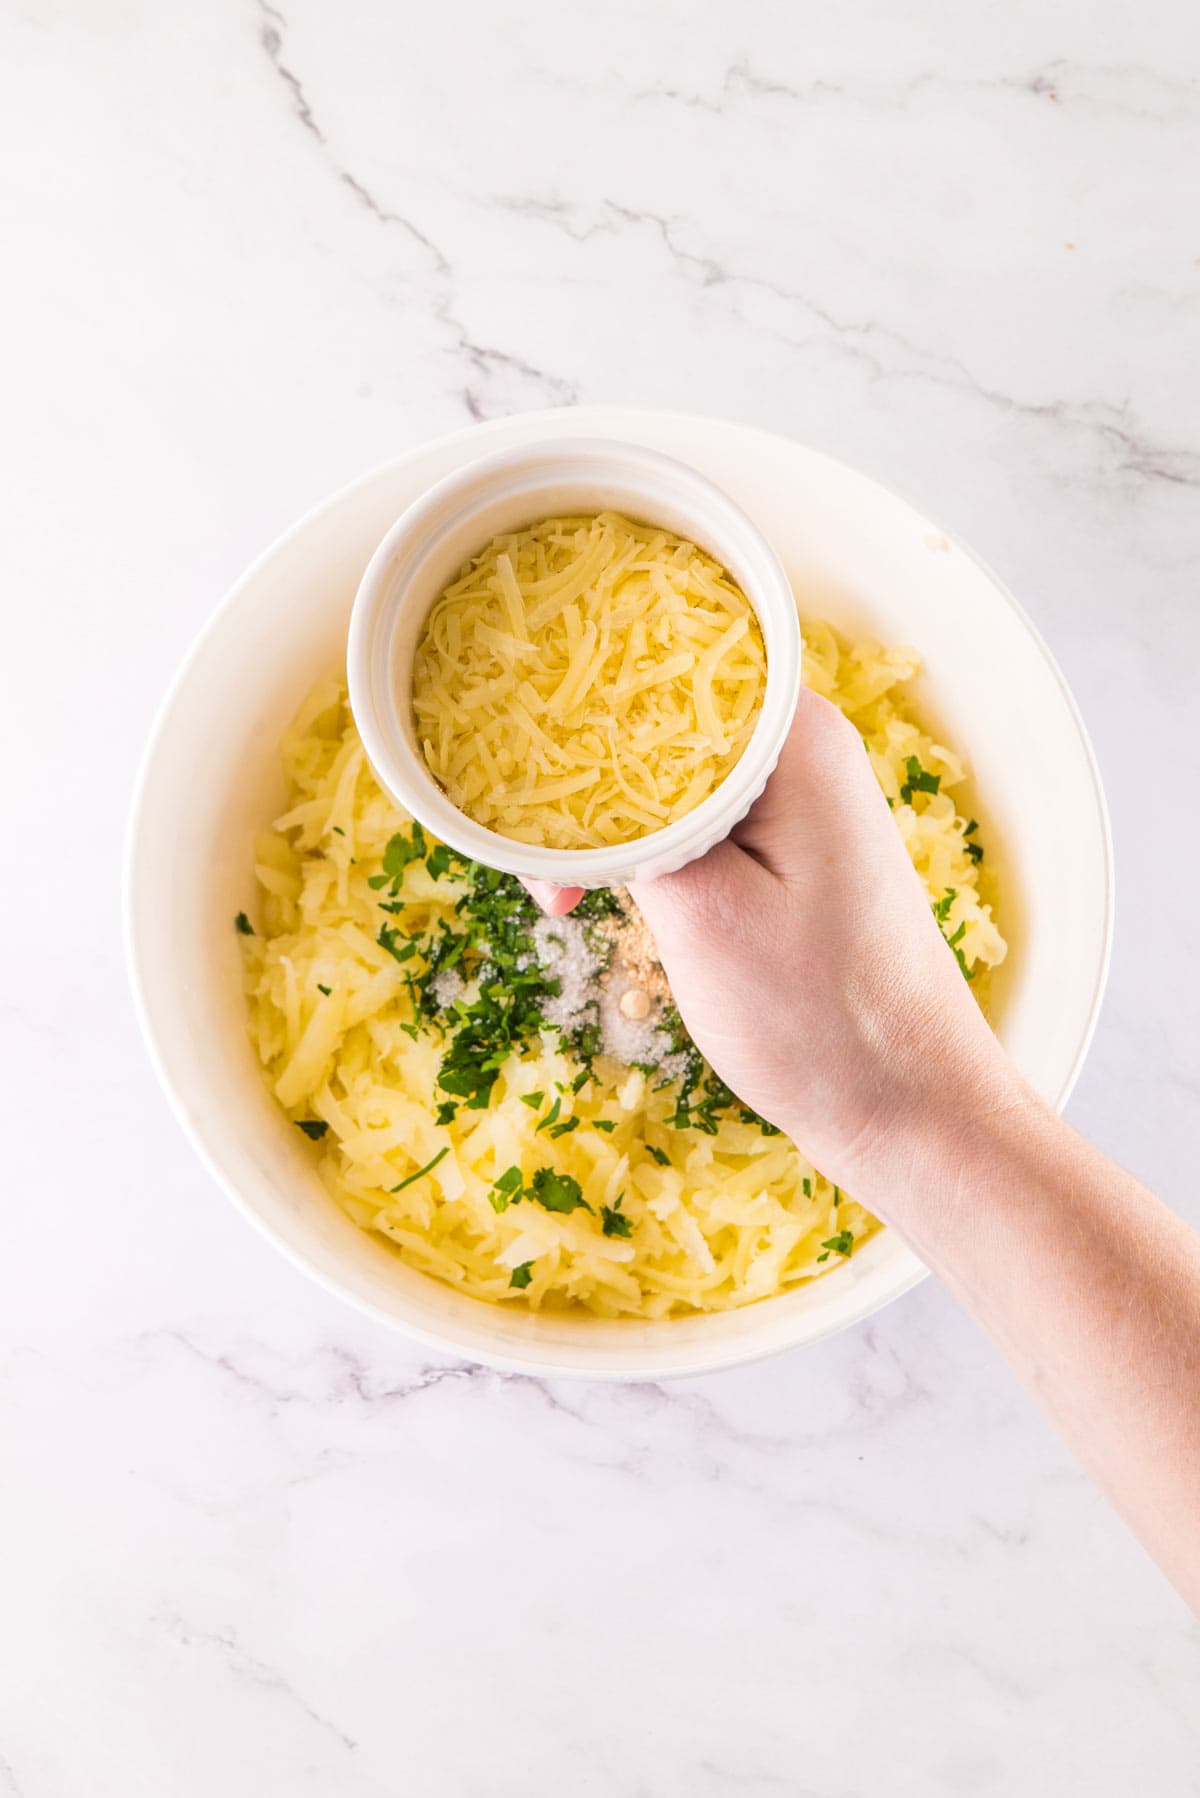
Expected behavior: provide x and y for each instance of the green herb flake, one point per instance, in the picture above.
(613, 1220)
(919, 780)
(660, 1155)
(806, 1187)
(311, 1127)
(841, 1244)
(971, 828)
(324, 989)
(338, 831)
(506, 1190)
(400, 948)
(446, 1112)
(941, 910)
(242, 925)
(401, 850)
(521, 1276)
(421, 1171)
(557, 1192)
(837, 1197)
(551, 1117)
(533, 1100)
(606, 1124)
(564, 1129)
(438, 861)
(975, 851)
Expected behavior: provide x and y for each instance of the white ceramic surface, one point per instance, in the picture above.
(443, 529)
(855, 554)
(253, 1543)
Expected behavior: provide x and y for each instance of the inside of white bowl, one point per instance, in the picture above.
(857, 555)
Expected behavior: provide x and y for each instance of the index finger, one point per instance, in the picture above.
(555, 901)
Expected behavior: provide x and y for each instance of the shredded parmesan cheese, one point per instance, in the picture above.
(586, 681)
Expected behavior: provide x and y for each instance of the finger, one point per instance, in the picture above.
(718, 893)
(822, 752)
(554, 901)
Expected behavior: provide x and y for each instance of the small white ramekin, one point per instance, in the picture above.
(432, 540)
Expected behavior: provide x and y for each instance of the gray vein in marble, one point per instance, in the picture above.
(9, 1786)
(486, 360)
(723, 1777)
(605, 1413)
(1109, 425)
(645, 1401)
(271, 38)
(245, 1668)
(1144, 460)
(354, 1380)
(1059, 82)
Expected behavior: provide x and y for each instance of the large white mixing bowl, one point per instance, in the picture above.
(858, 556)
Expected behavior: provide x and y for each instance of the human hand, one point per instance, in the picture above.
(809, 970)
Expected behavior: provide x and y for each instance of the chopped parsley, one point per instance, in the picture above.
(400, 851)
(660, 1155)
(806, 1187)
(313, 1128)
(564, 1129)
(971, 828)
(521, 1276)
(841, 1244)
(613, 1220)
(975, 851)
(338, 831)
(506, 1189)
(606, 1124)
(556, 1192)
(919, 780)
(967, 973)
(440, 860)
(242, 925)
(324, 989)
(490, 940)
(941, 912)
(551, 1117)
(598, 903)
(398, 947)
(837, 1197)
(428, 1168)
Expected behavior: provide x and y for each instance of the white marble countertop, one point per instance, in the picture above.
(251, 1544)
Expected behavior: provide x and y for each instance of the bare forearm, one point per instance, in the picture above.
(1090, 1287)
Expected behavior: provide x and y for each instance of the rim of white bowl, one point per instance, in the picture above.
(648, 483)
(910, 1272)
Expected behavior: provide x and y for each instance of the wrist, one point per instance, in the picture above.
(945, 1143)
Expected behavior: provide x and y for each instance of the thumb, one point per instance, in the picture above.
(717, 895)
